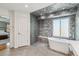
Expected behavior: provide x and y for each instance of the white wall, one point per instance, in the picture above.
(4, 12)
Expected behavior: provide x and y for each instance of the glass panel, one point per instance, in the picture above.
(65, 27)
(56, 27)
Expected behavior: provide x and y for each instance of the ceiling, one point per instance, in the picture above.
(54, 7)
(21, 6)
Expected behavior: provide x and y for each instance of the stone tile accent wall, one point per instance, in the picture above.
(72, 27)
(45, 28)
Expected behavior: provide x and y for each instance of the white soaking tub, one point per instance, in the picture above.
(60, 45)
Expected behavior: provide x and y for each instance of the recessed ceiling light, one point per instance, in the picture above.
(26, 6)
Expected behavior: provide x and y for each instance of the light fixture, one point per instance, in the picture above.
(26, 6)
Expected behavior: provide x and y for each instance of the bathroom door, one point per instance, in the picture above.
(21, 31)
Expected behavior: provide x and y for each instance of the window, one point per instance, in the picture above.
(56, 27)
(61, 27)
(65, 27)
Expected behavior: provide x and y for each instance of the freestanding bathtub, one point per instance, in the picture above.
(60, 45)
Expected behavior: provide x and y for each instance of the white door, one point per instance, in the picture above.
(20, 30)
